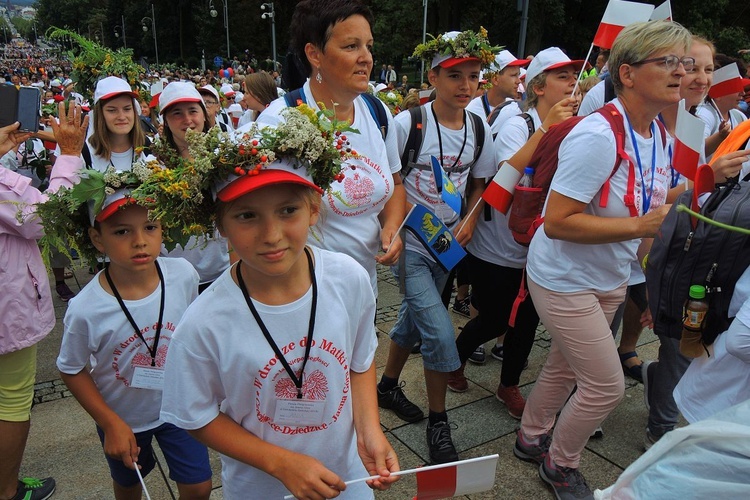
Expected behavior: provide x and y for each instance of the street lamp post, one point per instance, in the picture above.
(424, 37)
(271, 14)
(152, 20)
(214, 13)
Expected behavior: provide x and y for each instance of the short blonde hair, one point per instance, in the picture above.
(532, 100)
(638, 41)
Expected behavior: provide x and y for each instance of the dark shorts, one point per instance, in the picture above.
(187, 458)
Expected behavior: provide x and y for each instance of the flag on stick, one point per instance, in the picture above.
(445, 187)
(435, 236)
(727, 80)
(688, 142)
(499, 192)
(424, 96)
(617, 15)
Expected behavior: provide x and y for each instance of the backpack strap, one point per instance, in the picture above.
(478, 129)
(222, 126)
(414, 142)
(294, 98)
(486, 105)
(496, 112)
(377, 111)
(617, 123)
(529, 123)
(86, 153)
(609, 89)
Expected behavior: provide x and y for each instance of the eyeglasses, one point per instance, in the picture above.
(211, 103)
(671, 63)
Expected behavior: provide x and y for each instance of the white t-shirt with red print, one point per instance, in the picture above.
(350, 222)
(219, 360)
(98, 334)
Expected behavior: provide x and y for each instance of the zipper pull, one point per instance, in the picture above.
(688, 241)
(36, 286)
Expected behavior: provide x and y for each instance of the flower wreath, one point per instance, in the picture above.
(466, 44)
(65, 214)
(179, 191)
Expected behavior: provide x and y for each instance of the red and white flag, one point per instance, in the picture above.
(617, 15)
(424, 96)
(457, 478)
(688, 142)
(499, 192)
(662, 13)
(727, 80)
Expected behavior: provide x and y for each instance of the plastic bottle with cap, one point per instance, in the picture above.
(696, 308)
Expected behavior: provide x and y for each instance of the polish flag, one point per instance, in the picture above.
(688, 142)
(424, 96)
(499, 193)
(617, 15)
(456, 478)
(727, 80)
(662, 13)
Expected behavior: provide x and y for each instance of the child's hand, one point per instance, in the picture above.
(308, 479)
(120, 444)
(379, 458)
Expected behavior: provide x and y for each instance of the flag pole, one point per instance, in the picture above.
(586, 60)
(398, 231)
(471, 212)
(418, 469)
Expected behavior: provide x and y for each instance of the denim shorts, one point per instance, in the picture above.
(186, 457)
(423, 316)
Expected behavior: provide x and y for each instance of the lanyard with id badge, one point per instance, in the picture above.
(299, 411)
(144, 377)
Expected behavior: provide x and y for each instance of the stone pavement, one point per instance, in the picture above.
(63, 443)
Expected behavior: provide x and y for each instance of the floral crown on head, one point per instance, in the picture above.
(182, 195)
(69, 212)
(455, 47)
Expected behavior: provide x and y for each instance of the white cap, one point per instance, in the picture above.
(67, 82)
(227, 90)
(110, 87)
(278, 172)
(112, 204)
(238, 96)
(380, 87)
(178, 92)
(209, 89)
(548, 59)
(505, 59)
(55, 83)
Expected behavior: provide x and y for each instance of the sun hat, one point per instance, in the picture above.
(505, 59)
(549, 59)
(282, 171)
(178, 92)
(112, 86)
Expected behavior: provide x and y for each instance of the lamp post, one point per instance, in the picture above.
(214, 13)
(424, 37)
(271, 14)
(152, 20)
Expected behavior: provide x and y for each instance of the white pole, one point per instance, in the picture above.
(582, 70)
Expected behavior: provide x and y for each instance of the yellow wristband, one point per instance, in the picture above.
(644, 262)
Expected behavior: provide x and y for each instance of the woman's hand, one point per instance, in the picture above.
(11, 138)
(71, 131)
(729, 165)
(561, 112)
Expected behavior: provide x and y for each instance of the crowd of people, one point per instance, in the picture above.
(234, 228)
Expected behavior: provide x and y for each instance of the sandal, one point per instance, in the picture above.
(635, 371)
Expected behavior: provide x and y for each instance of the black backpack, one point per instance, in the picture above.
(416, 137)
(686, 253)
(374, 105)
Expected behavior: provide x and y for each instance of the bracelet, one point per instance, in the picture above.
(544, 130)
(644, 262)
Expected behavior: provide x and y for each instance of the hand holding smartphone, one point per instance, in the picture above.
(20, 105)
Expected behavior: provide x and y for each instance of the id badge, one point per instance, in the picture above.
(299, 412)
(148, 378)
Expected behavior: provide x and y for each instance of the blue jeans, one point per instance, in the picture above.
(423, 315)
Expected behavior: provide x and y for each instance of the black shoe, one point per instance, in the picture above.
(478, 357)
(462, 307)
(403, 408)
(30, 488)
(440, 444)
(416, 348)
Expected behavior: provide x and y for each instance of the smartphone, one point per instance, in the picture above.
(8, 105)
(29, 109)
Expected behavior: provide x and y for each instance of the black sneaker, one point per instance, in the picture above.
(497, 352)
(440, 444)
(566, 483)
(30, 488)
(462, 306)
(531, 452)
(478, 357)
(403, 408)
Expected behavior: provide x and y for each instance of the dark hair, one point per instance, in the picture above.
(168, 133)
(313, 20)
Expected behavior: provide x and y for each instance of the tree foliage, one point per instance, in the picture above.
(185, 29)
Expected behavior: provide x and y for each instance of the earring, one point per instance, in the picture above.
(318, 77)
